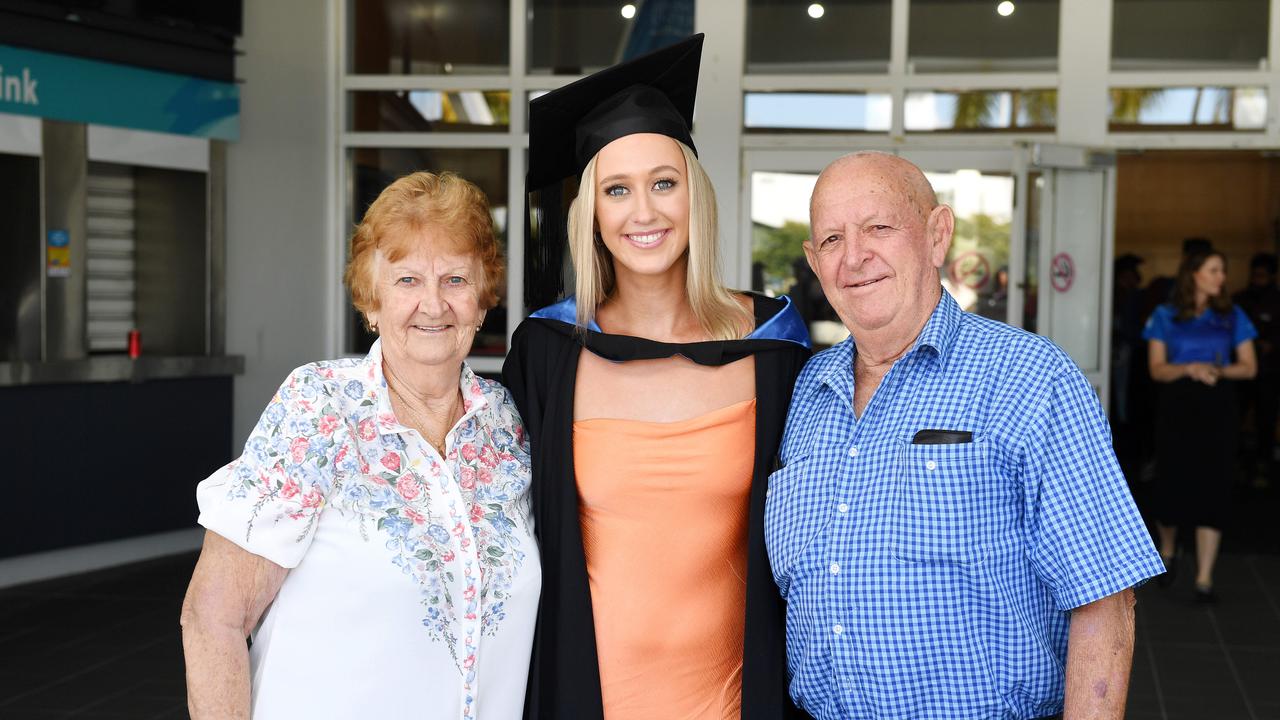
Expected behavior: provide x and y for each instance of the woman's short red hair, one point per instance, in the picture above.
(454, 208)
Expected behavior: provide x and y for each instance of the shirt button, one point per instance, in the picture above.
(834, 568)
(931, 465)
(853, 451)
(843, 507)
(837, 628)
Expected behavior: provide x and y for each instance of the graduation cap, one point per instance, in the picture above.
(653, 93)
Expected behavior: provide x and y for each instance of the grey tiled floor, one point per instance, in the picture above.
(106, 645)
(1218, 662)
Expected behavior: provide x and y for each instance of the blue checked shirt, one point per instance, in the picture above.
(935, 581)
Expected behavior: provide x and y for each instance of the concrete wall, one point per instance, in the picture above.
(280, 270)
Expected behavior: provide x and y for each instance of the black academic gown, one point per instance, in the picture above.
(541, 371)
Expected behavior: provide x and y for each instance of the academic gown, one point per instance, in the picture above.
(541, 373)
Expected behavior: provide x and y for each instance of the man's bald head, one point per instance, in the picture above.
(894, 173)
(877, 237)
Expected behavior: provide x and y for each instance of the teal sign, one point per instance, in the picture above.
(61, 87)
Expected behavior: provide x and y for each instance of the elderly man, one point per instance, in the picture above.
(950, 528)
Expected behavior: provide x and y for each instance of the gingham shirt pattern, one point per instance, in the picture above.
(935, 581)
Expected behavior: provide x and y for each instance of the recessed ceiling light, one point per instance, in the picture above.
(1005, 8)
(628, 11)
(816, 11)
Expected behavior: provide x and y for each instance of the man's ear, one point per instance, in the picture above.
(939, 228)
(810, 256)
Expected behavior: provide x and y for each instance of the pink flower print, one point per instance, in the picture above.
(469, 593)
(327, 424)
(391, 461)
(466, 544)
(470, 616)
(477, 513)
(408, 487)
(469, 661)
(469, 452)
(290, 488)
(313, 499)
(342, 453)
(457, 530)
(488, 457)
(387, 419)
(366, 430)
(298, 449)
(467, 478)
(448, 556)
(486, 477)
(415, 516)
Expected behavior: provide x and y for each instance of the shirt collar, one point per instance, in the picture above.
(473, 397)
(940, 331)
(939, 334)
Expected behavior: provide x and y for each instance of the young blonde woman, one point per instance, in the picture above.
(654, 400)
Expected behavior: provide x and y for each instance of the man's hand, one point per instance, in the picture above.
(1099, 655)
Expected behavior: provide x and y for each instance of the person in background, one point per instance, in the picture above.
(375, 539)
(1127, 352)
(1198, 344)
(654, 398)
(1261, 302)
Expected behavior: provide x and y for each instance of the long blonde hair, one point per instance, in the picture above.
(721, 316)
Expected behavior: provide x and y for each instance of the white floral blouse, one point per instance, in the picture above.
(414, 579)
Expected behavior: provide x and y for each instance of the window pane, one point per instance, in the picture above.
(428, 37)
(849, 36)
(1188, 108)
(1188, 34)
(431, 111)
(870, 112)
(983, 35)
(981, 110)
(779, 228)
(375, 168)
(976, 271)
(576, 37)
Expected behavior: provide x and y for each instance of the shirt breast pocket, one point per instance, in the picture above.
(796, 511)
(944, 499)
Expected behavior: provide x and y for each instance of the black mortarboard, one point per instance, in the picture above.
(653, 93)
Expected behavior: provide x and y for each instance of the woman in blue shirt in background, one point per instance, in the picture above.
(1198, 343)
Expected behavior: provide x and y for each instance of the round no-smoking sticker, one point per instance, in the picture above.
(971, 270)
(1062, 272)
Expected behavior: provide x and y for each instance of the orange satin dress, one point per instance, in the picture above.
(664, 528)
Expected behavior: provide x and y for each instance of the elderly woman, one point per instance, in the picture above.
(655, 400)
(374, 539)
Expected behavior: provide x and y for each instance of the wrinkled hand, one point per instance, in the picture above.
(1204, 373)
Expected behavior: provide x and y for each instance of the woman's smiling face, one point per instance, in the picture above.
(642, 203)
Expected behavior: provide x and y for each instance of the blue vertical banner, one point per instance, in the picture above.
(61, 87)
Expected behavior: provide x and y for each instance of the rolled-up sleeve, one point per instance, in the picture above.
(269, 499)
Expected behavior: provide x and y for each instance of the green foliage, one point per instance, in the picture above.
(778, 248)
(982, 231)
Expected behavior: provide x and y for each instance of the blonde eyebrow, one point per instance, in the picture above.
(655, 171)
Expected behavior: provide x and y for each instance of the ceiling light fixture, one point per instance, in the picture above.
(1005, 9)
(816, 11)
(628, 11)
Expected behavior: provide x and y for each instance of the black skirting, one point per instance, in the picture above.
(1196, 437)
